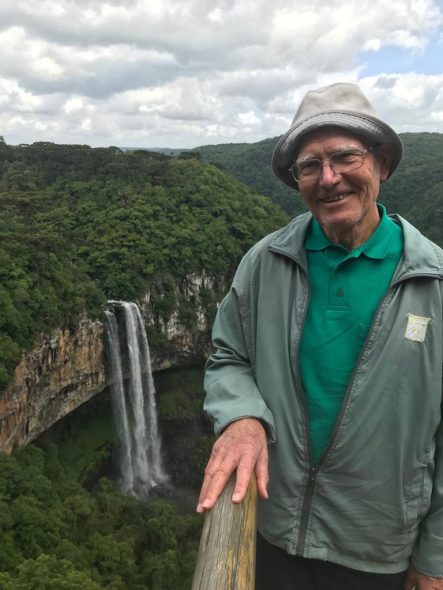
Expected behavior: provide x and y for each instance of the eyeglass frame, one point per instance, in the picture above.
(361, 152)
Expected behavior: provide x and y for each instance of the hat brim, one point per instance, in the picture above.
(364, 125)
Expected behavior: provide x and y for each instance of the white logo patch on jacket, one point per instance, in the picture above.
(416, 328)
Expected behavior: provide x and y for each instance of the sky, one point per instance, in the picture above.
(184, 73)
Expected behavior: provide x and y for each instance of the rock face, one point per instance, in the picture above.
(60, 373)
(68, 368)
(186, 345)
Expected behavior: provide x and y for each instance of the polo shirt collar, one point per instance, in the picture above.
(376, 247)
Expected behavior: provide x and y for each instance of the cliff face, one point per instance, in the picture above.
(67, 368)
(60, 373)
(186, 345)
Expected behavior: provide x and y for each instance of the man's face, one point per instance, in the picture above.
(343, 203)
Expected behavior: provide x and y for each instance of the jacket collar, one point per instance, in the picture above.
(420, 256)
(290, 240)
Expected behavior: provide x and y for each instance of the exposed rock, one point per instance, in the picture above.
(67, 368)
(185, 345)
(63, 371)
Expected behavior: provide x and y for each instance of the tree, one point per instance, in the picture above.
(49, 573)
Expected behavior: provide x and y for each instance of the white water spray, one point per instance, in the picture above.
(133, 399)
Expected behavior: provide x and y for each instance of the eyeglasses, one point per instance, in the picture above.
(342, 161)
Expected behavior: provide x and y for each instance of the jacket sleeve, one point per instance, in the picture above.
(231, 389)
(427, 556)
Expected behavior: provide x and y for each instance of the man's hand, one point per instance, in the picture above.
(242, 447)
(415, 580)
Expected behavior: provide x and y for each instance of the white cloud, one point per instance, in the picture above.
(16, 98)
(409, 102)
(187, 72)
(249, 119)
(86, 124)
(73, 105)
(184, 98)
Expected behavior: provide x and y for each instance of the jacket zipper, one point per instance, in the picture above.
(306, 507)
(314, 469)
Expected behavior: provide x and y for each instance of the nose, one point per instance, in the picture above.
(329, 175)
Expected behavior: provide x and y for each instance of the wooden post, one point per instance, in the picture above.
(226, 555)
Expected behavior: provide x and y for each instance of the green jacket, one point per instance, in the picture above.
(374, 502)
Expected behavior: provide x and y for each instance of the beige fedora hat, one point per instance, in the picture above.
(339, 105)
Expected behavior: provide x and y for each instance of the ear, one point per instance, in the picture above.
(385, 157)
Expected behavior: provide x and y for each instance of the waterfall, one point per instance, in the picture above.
(133, 398)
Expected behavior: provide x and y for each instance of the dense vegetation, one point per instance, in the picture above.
(64, 526)
(415, 191)
(80, 225)
(251, 164)
(57, 535)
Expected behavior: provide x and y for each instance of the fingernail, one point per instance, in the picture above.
(199, 508)
(236, 497)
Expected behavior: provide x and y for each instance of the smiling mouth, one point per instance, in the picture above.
(335, 198)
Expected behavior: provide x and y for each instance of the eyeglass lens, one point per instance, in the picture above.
(344, 161)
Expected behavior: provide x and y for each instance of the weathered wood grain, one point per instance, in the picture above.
(226, 557)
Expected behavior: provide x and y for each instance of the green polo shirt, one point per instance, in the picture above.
(346, 288)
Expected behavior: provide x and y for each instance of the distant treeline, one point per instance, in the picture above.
(415, 191)
(80, 225)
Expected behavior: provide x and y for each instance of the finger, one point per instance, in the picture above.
(262, 474)
(243, 477)
(216, 485)
(203, 492)
(212, 466)
(217, 473)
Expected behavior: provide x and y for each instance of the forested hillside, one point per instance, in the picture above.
(80, 225)
(251, 164)
(415, 191)
(55, 534)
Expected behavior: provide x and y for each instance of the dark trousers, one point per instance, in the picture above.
(277, 570)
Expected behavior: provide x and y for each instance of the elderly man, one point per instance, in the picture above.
(328, 369)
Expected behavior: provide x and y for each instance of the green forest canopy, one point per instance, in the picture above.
(57, 535)
(415, 191)
(65, 526)
(82, 225)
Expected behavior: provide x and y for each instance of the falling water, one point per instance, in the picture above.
(133, 396)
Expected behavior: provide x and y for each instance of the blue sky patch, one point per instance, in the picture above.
(397, 60)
